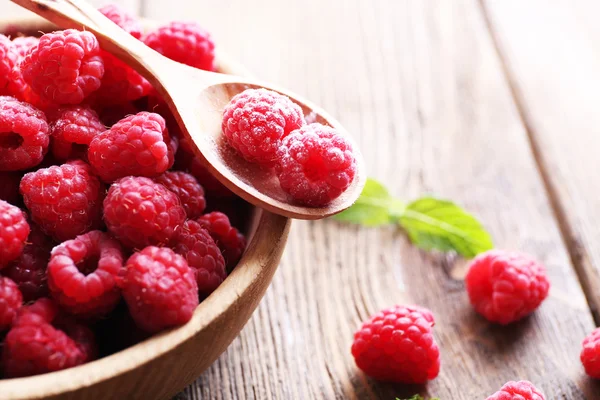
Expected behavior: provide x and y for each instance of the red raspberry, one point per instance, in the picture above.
(23, 44)
(140, 212)
(505, 287)
(82, 274)
(14, 230)
(9, 187)
(184, 42)
(397, 345)
(65, 201)
(522, 390)
(231, 242)
(256, 120)
(29, 270)
(8, 61)
(133, 146)
(187, 188)
(123, 18)
(186, 161)
(18, 88)
(10, 302)
(65, 67)
(316, 165)
(120, 83)
(24, 136)
(590, 354)
(159, 288)
(202, 254)
(33, 346)
(73, 130)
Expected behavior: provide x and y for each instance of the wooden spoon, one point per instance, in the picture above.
(197, 99)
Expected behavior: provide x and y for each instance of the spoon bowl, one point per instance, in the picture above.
(197, 98)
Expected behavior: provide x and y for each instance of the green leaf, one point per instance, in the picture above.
(374, 207)
(440, 224)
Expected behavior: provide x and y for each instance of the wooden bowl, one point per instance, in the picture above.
(166, 363)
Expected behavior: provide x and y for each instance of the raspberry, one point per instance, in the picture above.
(8, 61)
(505, 287)
(231, 242)
(33, 346)
(255, 121)
(65, 67)
(9, 187)
(124, 19)
(73, 130)
(186, 161)
(316, 165)
(23, 44)
(202, 254)
(590, 354)
(133, 146)
(14, 230)
(120, 83)
(82, 274)
(65, 201)
(522, 390)
(187, 188)
(29, 270)
(397, 345)
(10, 302)
(24, 136)
(184, 42)
(159, 288)
(140, 212)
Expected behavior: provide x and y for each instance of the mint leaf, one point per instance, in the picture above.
(374, 207)
(440, 224)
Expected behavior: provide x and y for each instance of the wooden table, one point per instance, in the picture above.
(491, 103)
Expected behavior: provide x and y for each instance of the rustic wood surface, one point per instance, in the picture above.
(490, 103)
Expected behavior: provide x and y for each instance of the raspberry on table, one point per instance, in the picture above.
(9, 187)
(231, 242)
(23, 44)
(123, 18)
(316, 165)
(133, 146)
(505, 287)
(34, 346)
(66, 66)
(521, 390)
(29, 270)
(65, 201)
(72, 131)
(184, 42)
(160, 289)
(14, 230)
(256, 120)
(187, 188)
(82, 274)
(8, 60)
(590, 354)
(202, 254)
(397, 345)
(10, 302)
(140, 212)
(24, 135)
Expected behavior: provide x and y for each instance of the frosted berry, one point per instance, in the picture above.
(505, 287)
(521, 390)
(187, 188)
(24, 44)
(159, 288)
(8, 61)
(184, 42)
(14, 230)
(590, 354)
(72, 131)
(133, 146)
(316, 165)
(24, 135)
(65, 201)
(256, 120)
(397, 345)
(140, 212)
(66, 66)
(82, 274)
(123, 18)
(202, 254)
(10, 302)
(231, 242)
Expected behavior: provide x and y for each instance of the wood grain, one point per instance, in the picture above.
(422, 86)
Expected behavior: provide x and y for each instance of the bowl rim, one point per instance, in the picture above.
(250, 269)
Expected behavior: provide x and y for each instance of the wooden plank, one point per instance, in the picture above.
(11, 10)
(421, 86)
